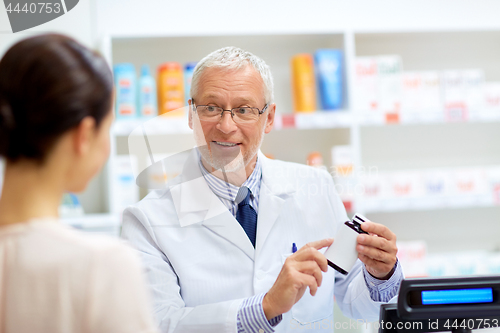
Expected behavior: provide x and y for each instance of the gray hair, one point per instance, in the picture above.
(234, 58)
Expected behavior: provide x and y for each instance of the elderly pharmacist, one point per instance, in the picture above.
(217, 244)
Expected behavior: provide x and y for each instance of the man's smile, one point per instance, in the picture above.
(226, 143)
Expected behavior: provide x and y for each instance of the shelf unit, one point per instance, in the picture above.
(420, 142)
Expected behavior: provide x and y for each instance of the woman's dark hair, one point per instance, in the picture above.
(48, 84)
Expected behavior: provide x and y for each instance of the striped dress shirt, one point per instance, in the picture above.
(227, 192)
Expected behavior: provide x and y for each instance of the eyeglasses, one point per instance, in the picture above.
(240, 115)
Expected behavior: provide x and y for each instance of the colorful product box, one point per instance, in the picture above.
(436, 183)
(474, 95)
(374, 189)
(147, 107)
(469, 181)
(469, 187)
(188, 77)
(329, 74)
(437, 265)
(431, 92)
(171, 89)
(412, 256)
(303, 83)
(493, 263)
(411, 93)
(365, 84)
(125, 87)
(429, 189)
(491, 98)
(405, 186)
(342, 161)
(125, 192)
(389, 70)
(435, 188)
(493, 175)
(342, 171)
(454, 96)
(421, 96)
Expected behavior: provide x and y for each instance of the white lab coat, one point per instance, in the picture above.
(201, 264)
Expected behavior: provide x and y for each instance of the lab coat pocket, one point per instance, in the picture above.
(310, 309)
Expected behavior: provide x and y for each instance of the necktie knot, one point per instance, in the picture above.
(243, 196)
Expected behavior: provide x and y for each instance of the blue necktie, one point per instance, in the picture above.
(246, 215)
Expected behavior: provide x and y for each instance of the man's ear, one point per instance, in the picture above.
(83, 135)
(270, 118)
(190, 112)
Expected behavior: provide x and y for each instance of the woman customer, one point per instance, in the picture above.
(55, 116)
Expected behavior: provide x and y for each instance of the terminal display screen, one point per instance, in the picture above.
(457, 296)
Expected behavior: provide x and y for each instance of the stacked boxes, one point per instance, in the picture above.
(384, 93)
(427, 189)
(343, 174)
(365, 81)
(421, 95)
(389, 70)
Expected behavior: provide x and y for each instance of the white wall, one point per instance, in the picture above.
(191, 17)
(77, 23)
(90, 20)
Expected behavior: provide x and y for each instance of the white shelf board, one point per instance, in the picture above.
(426, 203)
(155, 126)
(163, 126)
(317, 119)
(314, 120)
(366, 118)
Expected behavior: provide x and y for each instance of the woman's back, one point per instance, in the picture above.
(55, 117)
(56, 279)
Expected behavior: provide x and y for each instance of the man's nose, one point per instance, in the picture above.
(226, 123)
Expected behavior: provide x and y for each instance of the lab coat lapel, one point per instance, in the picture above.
(226, 226)
(191, 195)
(273, 195)
(196, 203)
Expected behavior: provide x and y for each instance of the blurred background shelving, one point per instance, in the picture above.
(427, 35)
(418, 142)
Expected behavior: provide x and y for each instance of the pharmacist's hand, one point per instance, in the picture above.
(377, 250)
(301, 270)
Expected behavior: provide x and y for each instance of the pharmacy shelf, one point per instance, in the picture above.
(156, 126)
(314, 120)
(430, 189)
(427, 203)
(177, 125)
(418, 263)
(423, 118)
(375, 139)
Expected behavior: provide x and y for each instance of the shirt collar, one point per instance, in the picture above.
(229, 191)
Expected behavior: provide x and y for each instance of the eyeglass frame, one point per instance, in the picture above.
(231, 110)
